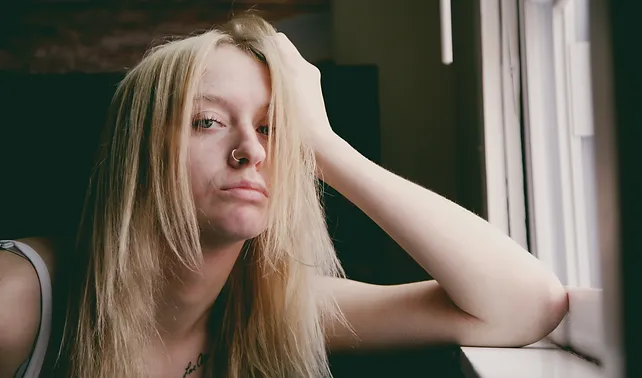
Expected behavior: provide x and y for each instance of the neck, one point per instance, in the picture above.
(188, 296)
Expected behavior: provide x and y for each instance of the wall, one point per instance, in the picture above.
(62, 36)
(416, 90)
(431, 120)
(311, 34)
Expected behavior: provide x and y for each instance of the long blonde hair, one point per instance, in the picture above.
(139, 202)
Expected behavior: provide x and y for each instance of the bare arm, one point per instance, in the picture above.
(488, 290)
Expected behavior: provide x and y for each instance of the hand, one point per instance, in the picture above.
(305, 79)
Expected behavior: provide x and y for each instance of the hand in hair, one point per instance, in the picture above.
(308, 96)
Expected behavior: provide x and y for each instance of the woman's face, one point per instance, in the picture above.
(230, 114)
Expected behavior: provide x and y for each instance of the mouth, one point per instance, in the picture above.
(245, 194)
(249, 190)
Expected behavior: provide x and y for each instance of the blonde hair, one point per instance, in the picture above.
(139, 202)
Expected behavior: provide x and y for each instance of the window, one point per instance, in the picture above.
(565, 48)
(540, 148)
(559, 139)
(559, 161)
(502, 127)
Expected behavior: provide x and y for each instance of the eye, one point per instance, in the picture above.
(264, 130)
(207, 122)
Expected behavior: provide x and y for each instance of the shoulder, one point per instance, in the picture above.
(20, 301)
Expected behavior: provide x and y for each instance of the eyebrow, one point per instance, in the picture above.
(215, 99)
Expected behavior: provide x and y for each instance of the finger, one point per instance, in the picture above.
(288, 47)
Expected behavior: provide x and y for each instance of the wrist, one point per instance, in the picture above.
(334, 156)
(328, 145)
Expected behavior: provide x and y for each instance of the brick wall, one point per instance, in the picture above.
(63, 37)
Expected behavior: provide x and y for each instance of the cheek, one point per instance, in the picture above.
(266, 171)
(202, 167)
(198, 181)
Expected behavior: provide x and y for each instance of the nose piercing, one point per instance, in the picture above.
(234, 157)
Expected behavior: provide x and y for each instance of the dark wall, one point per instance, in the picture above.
(621, 32)
(469, 127)
(416, 97)
(352, 101)
(49, 131)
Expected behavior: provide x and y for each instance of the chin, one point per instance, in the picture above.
(245, 231)
(237, 227)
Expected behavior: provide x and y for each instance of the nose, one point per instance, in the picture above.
(248, 149)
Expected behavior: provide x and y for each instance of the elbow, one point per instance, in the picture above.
(554, 309)
(544, 314)
(526, 319)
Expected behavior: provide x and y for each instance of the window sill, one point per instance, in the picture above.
(582, 328)
(539, 360)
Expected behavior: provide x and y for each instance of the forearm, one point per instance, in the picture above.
(484, 272)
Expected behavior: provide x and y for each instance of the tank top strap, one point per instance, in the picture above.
(32, 366)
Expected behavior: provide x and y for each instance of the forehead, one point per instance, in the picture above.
(236, 77)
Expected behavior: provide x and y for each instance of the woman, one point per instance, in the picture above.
(203, 250)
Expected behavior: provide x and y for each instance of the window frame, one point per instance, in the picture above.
(541, 165)
(552, 158)
(559, 137)
(593, 327)
(501, 106)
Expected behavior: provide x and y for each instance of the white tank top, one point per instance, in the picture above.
(32, 366)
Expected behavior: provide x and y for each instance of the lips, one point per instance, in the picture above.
(247, 185)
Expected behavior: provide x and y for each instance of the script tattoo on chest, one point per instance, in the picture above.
(200, 361)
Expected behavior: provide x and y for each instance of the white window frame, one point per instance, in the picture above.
(576, 135)
(502, 108)
(558, 120)
(502, 23)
